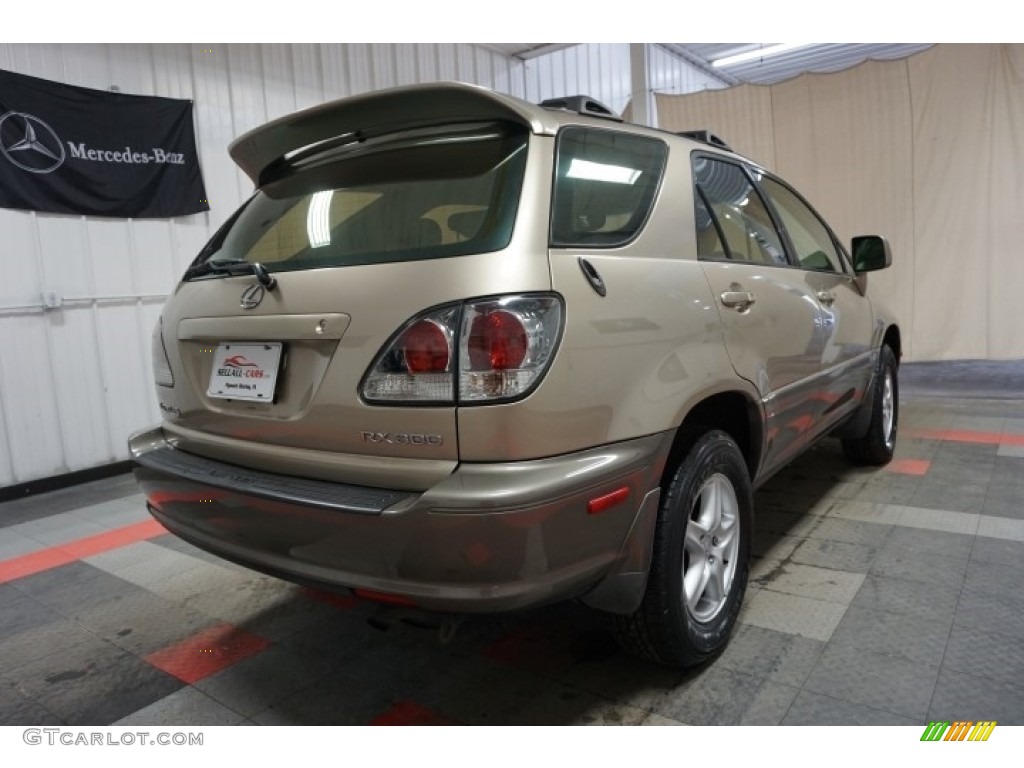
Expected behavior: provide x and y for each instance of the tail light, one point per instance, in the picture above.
(479, 351)
(162, 374)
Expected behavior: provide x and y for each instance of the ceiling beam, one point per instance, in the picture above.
(699, 63)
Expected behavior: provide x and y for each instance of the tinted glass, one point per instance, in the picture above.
(811, 239)
(604, 186)
(750, 234)
(448, 194)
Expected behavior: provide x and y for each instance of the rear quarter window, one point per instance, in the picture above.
(605, 185)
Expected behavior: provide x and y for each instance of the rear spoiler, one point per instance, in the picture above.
(377, 113)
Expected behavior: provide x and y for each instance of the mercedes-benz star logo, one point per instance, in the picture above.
(252, 296)
(30, 143)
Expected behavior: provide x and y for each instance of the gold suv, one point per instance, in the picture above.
(469, 354)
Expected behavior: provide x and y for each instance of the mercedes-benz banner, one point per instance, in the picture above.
(65, 149)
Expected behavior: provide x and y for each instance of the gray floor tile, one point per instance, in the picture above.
(1002, 529)
(8, 595)
(903, 493)
(562, 705)
(714, 696)
(793, 614)
(1001, 551)
(998, 578)
(809, 581)
(770, 704)
(66, 499)
(985, 654)
(893, 634)
(815, 709)
(93, 683)
(917, 598)
(13, 544)
(1001, 613)
(857, 532)
(54, 639)
(18, 709)
(920, 566)
(874, 680)
(625, 679)
(186, 707)
(765, 653)
(935, 542)
(254, 684)
(58, 529)
(855, 558)
(774, 545)
(960, 696)
(75, 588)
(24, 613)
(954, 497)
(335, 700)
(143, 622)
(1004, 503)
(117, 515)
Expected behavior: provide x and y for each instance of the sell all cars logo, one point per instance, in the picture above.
(239, 366)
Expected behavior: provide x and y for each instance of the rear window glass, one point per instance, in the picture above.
(605, 185)
(451, 193)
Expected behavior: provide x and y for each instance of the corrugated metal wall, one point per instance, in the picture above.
(75, 381)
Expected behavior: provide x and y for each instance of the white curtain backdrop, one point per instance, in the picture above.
(928, 151)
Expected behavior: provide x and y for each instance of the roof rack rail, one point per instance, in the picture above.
(707, 137)
(584, 105)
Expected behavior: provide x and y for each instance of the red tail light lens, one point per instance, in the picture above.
(479, 351)
(497, 341)
(425, 349)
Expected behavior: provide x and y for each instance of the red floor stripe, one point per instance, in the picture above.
(410, 713)
(967, 436)
(909, 466)
(62, 554)
(207, 653)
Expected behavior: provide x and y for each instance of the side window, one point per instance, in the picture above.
(709, 241)
(604, 186)
(738, 210)
(811, 239)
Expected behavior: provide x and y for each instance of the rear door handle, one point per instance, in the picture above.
(826, 297)
(737, 299)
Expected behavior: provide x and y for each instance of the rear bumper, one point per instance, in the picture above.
(489, 537)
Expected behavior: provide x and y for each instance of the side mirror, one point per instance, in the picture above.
(871, 253)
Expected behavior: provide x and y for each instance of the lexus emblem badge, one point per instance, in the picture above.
(252, 296)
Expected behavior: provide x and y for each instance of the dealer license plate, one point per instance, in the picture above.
(245, 371)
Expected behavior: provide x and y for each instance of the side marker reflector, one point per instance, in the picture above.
(609, 500)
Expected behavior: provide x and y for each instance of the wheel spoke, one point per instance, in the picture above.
(715, 589)
(711, 506)
(695, 582)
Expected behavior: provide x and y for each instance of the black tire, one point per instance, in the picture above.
(665, 628)
(876, 447)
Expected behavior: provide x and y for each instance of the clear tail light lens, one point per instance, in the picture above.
(161, 365)
(479, 351)
(417, 365)
(506, 345)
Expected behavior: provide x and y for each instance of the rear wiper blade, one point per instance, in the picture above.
(232, 267)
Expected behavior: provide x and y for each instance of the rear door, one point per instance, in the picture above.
(772, 319)
(847, 361)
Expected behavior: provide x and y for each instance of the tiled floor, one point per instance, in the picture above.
(877, 597)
